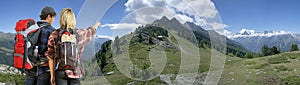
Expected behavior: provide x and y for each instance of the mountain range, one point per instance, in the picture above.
(253, 41)
(203, 36)
(253, 33)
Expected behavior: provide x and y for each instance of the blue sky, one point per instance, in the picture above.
(14, 10)
(11, 12)
(259, 15)
(113, 15)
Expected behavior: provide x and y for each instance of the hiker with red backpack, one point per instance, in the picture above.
(41, 71)
(31, 43)
(65, 48)
(47, 18)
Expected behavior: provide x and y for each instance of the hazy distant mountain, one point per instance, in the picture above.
(253, 40)
(92, 47)
(99, 41)
(6, 48)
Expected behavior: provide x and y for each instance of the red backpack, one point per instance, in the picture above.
(26, 38)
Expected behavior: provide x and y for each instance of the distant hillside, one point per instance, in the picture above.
(98, 42)
(6, 48)
(9, 75)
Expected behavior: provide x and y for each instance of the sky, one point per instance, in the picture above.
(125, 15)
(260, 15)
(14, 10)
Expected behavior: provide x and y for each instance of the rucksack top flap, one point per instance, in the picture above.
(22, 25)
(67, 35)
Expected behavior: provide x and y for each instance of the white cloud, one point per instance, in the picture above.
(203, 8)
(201, 12)
(148, 15)
(224, 32)
(121, 29)
(183, 18)
(105, 36)
(217, 26)
(121, 26)
(227, 33)
(136, 4)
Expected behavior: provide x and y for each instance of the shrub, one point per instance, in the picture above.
(250, 62)
(261, 66)
(12, 78)
(291, 55)
(292, 80)
(231, 55)
(282, 68)
(277, 60)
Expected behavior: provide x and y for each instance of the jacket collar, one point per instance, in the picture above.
(42, 23)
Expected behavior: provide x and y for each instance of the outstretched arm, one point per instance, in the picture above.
(86, 35)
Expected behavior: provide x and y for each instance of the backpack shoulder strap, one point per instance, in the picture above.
(59, 34)
(58, 41)
(32, 27)
(74, 31)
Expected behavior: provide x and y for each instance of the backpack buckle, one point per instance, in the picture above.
(42, 61)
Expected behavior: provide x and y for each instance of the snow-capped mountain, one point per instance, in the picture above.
(253, 41)
(253, 33)
(246, 32)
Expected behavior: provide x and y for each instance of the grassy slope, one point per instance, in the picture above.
(237, 71)
(139, 56)
(270, 70)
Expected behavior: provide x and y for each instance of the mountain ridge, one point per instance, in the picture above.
(253, 33)
(253, 41)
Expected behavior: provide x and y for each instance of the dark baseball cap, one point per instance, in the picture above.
(48, 11)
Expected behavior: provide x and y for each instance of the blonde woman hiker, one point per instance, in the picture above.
(65, 48)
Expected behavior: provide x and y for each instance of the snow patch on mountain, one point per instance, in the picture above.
(253, 33)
